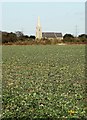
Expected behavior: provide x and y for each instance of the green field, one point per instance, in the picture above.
(43, 82)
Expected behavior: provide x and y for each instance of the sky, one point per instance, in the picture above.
(65, 17)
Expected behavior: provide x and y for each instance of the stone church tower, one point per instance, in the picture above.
(38, 29)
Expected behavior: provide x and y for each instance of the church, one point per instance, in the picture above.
(46, 35)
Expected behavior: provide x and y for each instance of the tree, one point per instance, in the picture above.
(68, 38)
(8, 37)
(12, 37)
(19, 33)
(32, 37)
(5, 38)
(83, 38)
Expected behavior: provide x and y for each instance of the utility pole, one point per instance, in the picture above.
(76, 31)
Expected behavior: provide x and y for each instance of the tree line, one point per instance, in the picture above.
(15, 37)
(19, 37)
(70, 38)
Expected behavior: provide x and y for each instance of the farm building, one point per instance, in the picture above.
(52, 35)
(46, 35)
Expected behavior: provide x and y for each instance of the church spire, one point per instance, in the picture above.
(38, 29)
(38, 22)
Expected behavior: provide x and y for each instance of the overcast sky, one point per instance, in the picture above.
(54, 16)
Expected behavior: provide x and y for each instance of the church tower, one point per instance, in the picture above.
(38, 29)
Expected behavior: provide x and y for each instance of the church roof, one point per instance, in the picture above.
(51, 35)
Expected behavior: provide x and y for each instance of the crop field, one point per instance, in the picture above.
(43, 82)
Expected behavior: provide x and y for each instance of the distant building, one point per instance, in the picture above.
(52, 35)
(46, 35)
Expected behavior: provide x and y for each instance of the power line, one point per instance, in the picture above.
(76, 30)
